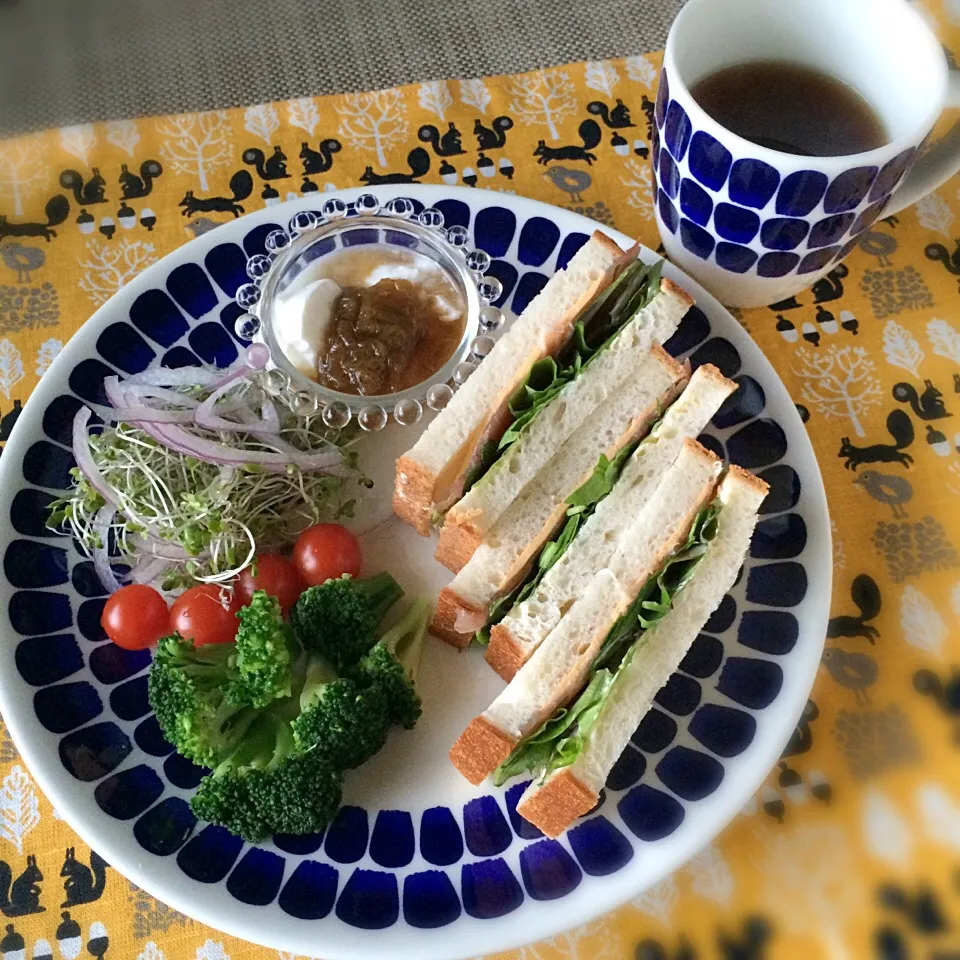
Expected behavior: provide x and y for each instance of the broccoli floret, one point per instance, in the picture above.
(265, 654)
(267, 786)
(391, 666)
(186, 689)
(339, 619)
(342, 720)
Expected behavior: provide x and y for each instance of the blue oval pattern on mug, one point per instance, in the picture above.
(801, 192)
(848, 189)
(890, 175)
(676, 130)
(752, 183)
(709, 160)
(93, 749)
(734, 257)
(783, 233)
(695, 202)
(735, 223)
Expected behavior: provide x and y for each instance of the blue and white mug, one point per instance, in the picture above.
(756, 225)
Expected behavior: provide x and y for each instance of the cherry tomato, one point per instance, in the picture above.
(206, 614)
(135, 617)
(275, 574)
(325, 551)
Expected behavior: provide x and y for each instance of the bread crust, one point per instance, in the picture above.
(459, 539)
(554, 806)
(444, 623)
(413, 494)
(745, 476)
(668, 287)
(416, 493)
(504, 654)
(482, 747)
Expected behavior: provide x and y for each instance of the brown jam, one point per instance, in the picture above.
(385, 338)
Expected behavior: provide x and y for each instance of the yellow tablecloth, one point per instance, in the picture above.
(850, 849)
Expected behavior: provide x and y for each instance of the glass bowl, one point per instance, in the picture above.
(311, 236)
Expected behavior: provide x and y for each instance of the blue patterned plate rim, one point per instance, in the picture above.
(478, 906)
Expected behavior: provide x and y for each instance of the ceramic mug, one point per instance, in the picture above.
(756, 225)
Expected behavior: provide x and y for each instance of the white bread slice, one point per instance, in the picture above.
(557, 671)
(473, 516)
(430, 475)
(503, 558)
(572, 791)
(519, 633)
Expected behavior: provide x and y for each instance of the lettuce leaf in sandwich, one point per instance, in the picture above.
(559, 741)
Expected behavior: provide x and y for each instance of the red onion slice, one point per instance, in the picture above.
(99, 555)
(84, 457)
(212, 452)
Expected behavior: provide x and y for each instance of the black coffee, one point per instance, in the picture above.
(791, 108)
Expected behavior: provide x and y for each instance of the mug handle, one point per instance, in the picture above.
(937, 165)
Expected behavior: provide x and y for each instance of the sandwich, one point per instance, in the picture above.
(518, 625)
(431, 475)
(593, 326)
(573, 753)
(668, 531)
(617, 341)
(497, 593)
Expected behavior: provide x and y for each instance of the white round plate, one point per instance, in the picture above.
(418, 863)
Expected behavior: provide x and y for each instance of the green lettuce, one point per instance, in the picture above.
(604, 318)
(563, 733)
(560, 740)
(582, 503)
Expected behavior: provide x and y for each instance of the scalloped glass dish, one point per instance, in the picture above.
(343, 227)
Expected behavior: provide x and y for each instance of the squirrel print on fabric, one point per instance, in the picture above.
(444, 145)
(927, 405)
(866, 597)
(616, 118)
(273, 167)
(87, 193)
(320, 160)
(417, 159)
(899, 427)
(133, 187)
(83, 884)
(492, 139)
(590, 135)
(241, 185)
(20, 896)
(57, 210)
